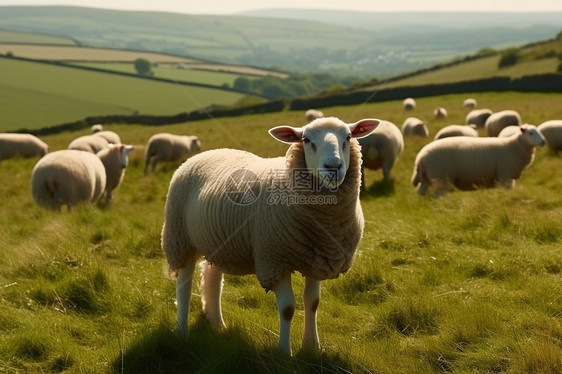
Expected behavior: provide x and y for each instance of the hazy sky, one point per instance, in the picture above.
(230, 7)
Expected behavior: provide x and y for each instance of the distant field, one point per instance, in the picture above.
(39, 95)
(26, 37)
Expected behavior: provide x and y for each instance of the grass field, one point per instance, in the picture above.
(41, 95)
(468, 283)
(33, 38)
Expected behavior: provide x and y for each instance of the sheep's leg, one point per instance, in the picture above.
(211, 289)
(311, 300)
(146, 163)
(422, 189)
(154, 162)
(183, 297)
(286, 305)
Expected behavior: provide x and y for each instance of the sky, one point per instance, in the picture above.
(235, 6)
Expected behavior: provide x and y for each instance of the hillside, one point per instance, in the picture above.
(344, 43)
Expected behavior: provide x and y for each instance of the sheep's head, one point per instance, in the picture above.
(532, 135)
(326, 145)
(123, 153)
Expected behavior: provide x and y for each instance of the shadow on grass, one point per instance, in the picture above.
(379, 188)
(226, 351)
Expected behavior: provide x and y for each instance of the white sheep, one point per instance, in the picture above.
(313, 114)
(499, 120)
(170, 147)
(470, 103)
(67, 177)
(381, 149)
(115, 159)
(89, 143)
(21, 145)
(440, 112)
(470, 163)
(97, 127)
(508, 131)
(110, 136)
(269, 217)
(456, 130)
(478, 117)
(552, 132)
(409, 103)
(413, 126)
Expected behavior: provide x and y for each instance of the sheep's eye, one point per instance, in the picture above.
(305, 140)
(348, 138)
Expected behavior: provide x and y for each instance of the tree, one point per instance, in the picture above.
(143, 67)
(509, 57)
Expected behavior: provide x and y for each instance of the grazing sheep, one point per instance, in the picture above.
(381, 149)
(21, 145)
(169, 147)
(115, 159)
(409, 104)
(552, 132)
(97, 127)
(440, 112)
(508, 131)
(471, 163)
(313, 114)
(413, 126)
(456, 130)
(470, 103)
(110, 136)
(67, 177)
(269, 217)
(497, 121)
(89, 143)
(478, 117)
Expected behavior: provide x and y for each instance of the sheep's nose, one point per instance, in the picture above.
(334, 165)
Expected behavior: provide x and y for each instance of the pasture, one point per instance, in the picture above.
(468, 283)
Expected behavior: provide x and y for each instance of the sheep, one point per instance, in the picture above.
(552, 131)
(470, 103)
(440, 112)
(471, 163)
(381, 149)
(508, 131)
(89, 143)
(97, 127)
(414, 126)
(409, 104)
(456, 130)
(497, 121)
(115, 159)
(169, 147)
(229, 206)
(21, 145)
(312, 114)
(110, 136)
(68, 177)
(478, 117)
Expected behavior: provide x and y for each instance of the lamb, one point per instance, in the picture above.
(440, 112)
(115, 159)
(552, 132)
(21, 145)
(456, 130)
(478, 117)
(313, 114)
(381, 148)
(89, 143)
(470, 103)
(409, 104)
(269, 217)
(110, 136)
(169, 147)
(414, 126)
(497, 121)
(68, 177)
(471, 163)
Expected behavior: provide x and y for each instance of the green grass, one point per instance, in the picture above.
(39, 95)
(26, 37)
(468, 283)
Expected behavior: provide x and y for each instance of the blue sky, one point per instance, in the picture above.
(231, 7)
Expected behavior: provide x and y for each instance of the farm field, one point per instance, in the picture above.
(40, 95)
(467, 283)
(34, 38)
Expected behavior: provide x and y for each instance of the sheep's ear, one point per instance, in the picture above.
(364, 127)
(287, 134)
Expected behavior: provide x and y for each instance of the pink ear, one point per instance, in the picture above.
(364, 127)
(286, 134)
